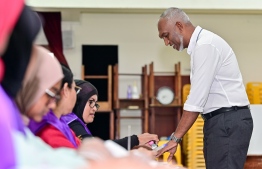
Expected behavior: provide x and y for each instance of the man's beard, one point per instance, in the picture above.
(181, 47)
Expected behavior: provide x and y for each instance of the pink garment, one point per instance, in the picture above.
(9, 12)
(2, 68)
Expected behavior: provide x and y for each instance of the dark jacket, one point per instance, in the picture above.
(81, 133)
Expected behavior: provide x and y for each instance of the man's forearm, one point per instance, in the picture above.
(187, 120)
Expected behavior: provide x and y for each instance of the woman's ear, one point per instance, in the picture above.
(65, 90)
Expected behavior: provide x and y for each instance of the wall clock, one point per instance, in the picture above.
(165, 95)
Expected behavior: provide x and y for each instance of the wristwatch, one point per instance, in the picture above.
(175, 139)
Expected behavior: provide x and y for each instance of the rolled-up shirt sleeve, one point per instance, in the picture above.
(205, 63)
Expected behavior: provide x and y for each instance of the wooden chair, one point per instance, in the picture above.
(186, 90)
(126, 104)
(105, 106)
(193, 139)
(254, 92)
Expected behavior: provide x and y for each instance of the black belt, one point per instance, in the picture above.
(222, 110)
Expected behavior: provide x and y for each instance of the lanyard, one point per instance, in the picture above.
(198, 34)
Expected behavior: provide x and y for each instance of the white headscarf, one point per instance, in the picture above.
(42, 73)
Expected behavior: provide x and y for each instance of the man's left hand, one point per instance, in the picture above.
(170, 147)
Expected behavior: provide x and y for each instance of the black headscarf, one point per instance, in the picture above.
(18, 52)
(83, 96)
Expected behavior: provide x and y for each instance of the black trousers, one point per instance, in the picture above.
(226, 139)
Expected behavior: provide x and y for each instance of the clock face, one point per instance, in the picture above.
(165, 95)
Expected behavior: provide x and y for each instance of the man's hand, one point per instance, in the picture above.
(171, 148)
(146, 137)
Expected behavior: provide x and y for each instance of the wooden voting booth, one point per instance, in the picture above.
(156, 118)
(131, 104)
(105, 106)
(164, 118)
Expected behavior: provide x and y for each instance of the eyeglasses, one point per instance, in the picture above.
(52, 95)
(77, 88)
(93, 104)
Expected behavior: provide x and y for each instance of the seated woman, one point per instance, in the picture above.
(38, 94)
(84, 113)
(52, 129)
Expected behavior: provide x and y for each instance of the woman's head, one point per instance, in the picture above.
(68, 93)
(41, 85)
(18, 52)
(86, 103)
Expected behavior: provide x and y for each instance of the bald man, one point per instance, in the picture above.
(217, 93)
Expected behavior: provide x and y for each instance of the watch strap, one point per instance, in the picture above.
(175, 139)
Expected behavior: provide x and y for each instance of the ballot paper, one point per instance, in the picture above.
(160, 147)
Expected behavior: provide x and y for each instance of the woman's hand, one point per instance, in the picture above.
(146, 137)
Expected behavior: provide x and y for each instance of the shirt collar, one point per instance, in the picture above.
(193, 39)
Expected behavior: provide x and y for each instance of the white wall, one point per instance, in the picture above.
(255, 147)
(135, 34)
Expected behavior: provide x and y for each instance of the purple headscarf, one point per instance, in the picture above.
(72, 117)
(10, 121)
(60, 124)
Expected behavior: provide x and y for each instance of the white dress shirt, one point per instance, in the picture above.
(216, 80)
